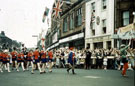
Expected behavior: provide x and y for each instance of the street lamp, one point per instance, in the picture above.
(134, 17)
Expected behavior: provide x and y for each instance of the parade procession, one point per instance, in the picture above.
(67, 42)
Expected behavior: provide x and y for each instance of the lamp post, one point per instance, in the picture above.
(134, 17)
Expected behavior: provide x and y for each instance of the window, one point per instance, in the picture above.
(125, 18)
(71, 21)
(79, 17)
(104, 26)
(93, 32)
(93, 25)
(65, 25)
(104, 4)
(93, 7)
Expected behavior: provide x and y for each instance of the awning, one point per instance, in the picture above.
(127, 32)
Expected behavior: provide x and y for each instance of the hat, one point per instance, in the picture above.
(5, 51)
(123, 45)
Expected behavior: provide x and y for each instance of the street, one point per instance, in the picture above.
(59, 77)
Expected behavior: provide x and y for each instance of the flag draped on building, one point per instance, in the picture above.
(57, 8)
(46, 12)
(92, 19)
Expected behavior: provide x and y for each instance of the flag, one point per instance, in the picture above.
(48, 21)
(45, 14)
(57, 8)
(92, 19)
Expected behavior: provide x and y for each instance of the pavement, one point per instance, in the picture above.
(60, 77)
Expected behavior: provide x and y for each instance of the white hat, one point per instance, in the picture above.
(5, 51)
(123, 45)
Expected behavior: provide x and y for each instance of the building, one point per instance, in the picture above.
(99, 24)
(123, 17)
(104, 18)
(68, 31)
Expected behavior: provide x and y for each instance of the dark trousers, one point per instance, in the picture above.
(71, 66)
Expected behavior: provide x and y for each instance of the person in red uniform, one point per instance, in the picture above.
(6, 60)
(50, 60)
(14, 58)
(1, 60)
(44, 60)
(36, 61)
(29, 59)
(20, 60)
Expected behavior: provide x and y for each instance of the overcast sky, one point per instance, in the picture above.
(20, 19)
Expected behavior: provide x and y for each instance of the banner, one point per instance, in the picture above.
(127, 28)
(127, 32)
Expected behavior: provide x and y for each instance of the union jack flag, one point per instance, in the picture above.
(57, 8)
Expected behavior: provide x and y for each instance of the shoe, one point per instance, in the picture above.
(32, 73)
(41, 72)
(44, 72)
(124, 75)
(17, 70)
(9, 71)
(1, 71)
(50, 71)
(67, 71)
(74, 73)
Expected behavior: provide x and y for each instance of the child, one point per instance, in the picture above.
(105, 63)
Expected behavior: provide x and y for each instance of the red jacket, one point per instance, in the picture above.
(43, 55)
(1, 56)
(36, 54)
(6, 57)
(14, 54)
(50, 54)
(20, 56)
(29, 55)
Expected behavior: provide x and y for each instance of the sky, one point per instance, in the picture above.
(20, 19)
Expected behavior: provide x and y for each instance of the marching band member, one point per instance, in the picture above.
(20, 60)
(36, 61)
(44, 60)
(14, 58)
(1, 61)
(6, 60)
(29, 59)
(50, 60)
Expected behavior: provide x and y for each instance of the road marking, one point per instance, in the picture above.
(94, 77)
